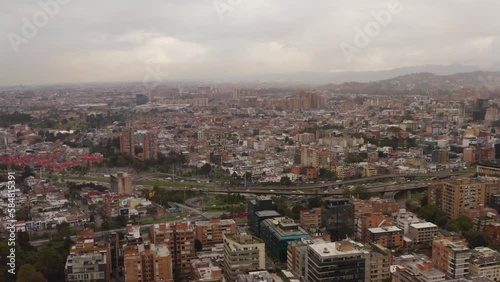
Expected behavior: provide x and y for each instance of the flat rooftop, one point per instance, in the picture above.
(384, 229)
(331, 249)
(424, 225)
(267, 213)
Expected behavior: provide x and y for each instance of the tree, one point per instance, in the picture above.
(326, 174)
(314, 202)
(223, 216)
(121, 221)
(432, 213)
(346, 193)
(205, 169)
(475, 239)
(361, 193)
(28, 273)
(461, 223)
(295, 214)
(353, 159)
(63, 229)
(198, 245)
(21, 214)
(285, 180)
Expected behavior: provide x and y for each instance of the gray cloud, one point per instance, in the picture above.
(98, 41)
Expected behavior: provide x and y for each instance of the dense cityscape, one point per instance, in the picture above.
(213, 183)
(249, 141)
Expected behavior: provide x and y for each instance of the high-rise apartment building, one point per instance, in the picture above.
(315, 157)
(455, 197)
(451, 257)
(147, 262)
(440, 156)
(88, 260)
(180, 239)
(210, 232)
(149, 143)
(242, 253)
(127, 142)
(121, 183)
(149, 146)
(485, 262)
(380, 263)
(111, 205)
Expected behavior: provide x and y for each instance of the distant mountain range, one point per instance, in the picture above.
(421, 83)
(366, 76)
(400, 81)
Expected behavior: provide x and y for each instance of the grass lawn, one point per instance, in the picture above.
(170, 183)
(241, 221)
(166, 218)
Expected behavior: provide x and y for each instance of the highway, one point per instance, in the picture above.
(328, 189)
(298, 191)
(214, 188)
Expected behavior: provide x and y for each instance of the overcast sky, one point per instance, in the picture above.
(124, 40)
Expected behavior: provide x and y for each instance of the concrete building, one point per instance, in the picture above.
(485, 262)
(149, 146)
(380, 263)
(422, 234)
(455, 197)
(147, 262)
(388, 237)
(403, 219)
(451, 257)
(310, 220)
(277, 232)
(180, 239)
(256, 276)
(127, 142)
(415, 268)
(370, 220)
(205, 271)
(297, 255)
(210, 232)
(315, 157)
(87, 267)
(488, 169)
(111, 205)
(86, 250)
(242, 253)
(440, 156)
(121, 183)
(339, 261)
